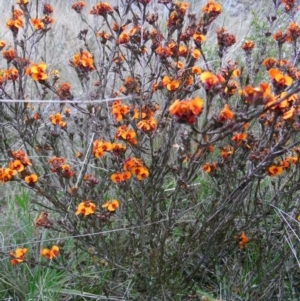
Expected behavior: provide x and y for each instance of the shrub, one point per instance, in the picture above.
(155, 174)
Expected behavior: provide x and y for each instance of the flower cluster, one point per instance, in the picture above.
(37, 71)
(131, 166)
(78, 6)
(83, 61)
(111, 205)
(50, 253)
(18, 255)
(86, 208)
(187, 111)
(15, 22)
(101, 9)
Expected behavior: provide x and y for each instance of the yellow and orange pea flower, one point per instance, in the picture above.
(126, 134)
(238, 137)
(274, 170)
(132, 162)
(141, 172)
(226, 151)
(119, 177)
(243, 240)
(31, 179)
(14, 24)
(209, 167)
(226, 114)
(83, 60)
(173, 85)
(37, 24)
(22, 1)
(210, 81)
(123, 38)
(18, 255)
(111, 205)
(86, 208)
(278, 77)
(43, 221)
(99, 147)
(257, 95)
(248, 45)
(119, 110)
(6, 174)
(50, 253)
(181, 7)
(186, 111)
(16, 165)
(212, 7)
(147, 125)
(196, 70)
(66, 171)
(37, 71)
(198, 38)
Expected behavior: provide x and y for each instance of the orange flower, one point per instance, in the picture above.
(16, 165)
(129, 135)
(120, 176)
(186, 111)
(123, 38)
(31, 179)
(196, 53)
(9, 54)
(212, 7)
(55, 119)
(182, 51)
(239, 137)
(248, 45)
(37, 24)
(147, 125)
(2, 44)
(173, 85)
(50, 253)
(269, 63)
(141, 172)
(119, 111)
(66, 171)
(209, 167)
(101, 9)
(111, 205)
(20, 155)
(78, 6)
(243, 240)
(37, 71)
(6, 174)
(14, 24)
(226, 151)
(18, 255)
(210, 80)
(274, 170)
(22, 2)
(206, 167)
(279, 78)
(196, 70)
(226, 114)
(198, 38)
(43, 221)
(86, 208)
(163, 52)
(83, 61)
